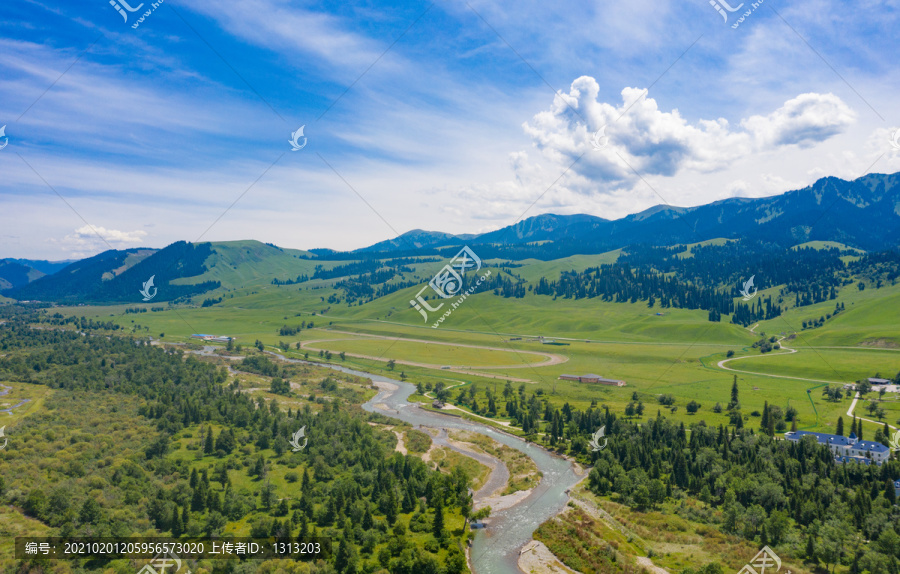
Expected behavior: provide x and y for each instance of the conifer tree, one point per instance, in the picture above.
(304, 528)
(734, 394)
(177, 523)
(437, 527)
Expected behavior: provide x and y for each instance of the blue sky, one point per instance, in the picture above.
(452, 116)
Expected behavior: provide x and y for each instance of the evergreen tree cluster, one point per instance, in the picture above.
(349, 484)
(769, 491)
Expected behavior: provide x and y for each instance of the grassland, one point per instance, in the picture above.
(447, 460)
(18, 392)
(523, 473)
(417, 442)
(599, 535)
(432, 353)
(656, 350)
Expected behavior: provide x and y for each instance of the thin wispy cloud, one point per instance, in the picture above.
(453, 128)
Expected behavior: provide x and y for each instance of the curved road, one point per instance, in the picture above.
(721, 365)
(551, 358)
(853, 406)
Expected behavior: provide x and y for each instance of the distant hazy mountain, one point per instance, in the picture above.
(118, 275)
(18, 272)
(13, 274)
(864, 213)
(45, 267)
(417, 239)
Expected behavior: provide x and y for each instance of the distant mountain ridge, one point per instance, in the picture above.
(18, 272)
(14, 274)
(417, 239)
(114, 274)
(863, 213)
(42, 265)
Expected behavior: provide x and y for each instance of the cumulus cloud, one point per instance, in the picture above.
(91, 239)
(804, 121)
(642, 139)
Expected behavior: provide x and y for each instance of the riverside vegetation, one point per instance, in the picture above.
(140, 440)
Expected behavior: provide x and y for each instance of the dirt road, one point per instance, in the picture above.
(550, 358)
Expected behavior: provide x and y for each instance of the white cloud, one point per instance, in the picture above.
(653, 142)
(90, 239)
(805, 121)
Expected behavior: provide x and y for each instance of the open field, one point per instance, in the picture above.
(20, 400)
(829, 364)
(433, 353)
(655, 350)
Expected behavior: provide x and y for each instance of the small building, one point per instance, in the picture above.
(213, 338)
(592, 378)
(873, 381)
(846, 448)
(437, 404)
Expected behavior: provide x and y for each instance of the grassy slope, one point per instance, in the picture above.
(673, 353)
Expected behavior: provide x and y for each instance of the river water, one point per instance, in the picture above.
(495, 549)
(9, 410)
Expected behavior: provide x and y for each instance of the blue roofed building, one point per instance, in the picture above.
(846, 448)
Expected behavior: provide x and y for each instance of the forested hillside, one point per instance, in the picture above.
(136, 439)
(118, 276)
(711, 277)
(830, 209)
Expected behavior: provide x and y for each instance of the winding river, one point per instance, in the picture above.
(495, 549)
(9, 410)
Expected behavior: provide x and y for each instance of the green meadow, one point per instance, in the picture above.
(655, 350)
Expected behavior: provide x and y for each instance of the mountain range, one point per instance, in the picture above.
(863, 213)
